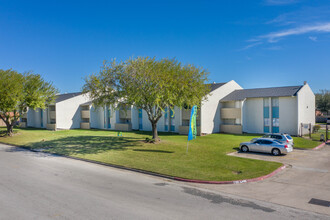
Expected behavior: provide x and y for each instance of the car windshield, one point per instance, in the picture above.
(288, 136)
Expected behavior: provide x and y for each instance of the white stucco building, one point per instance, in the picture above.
(228, 109)
(288, 109)
(65, 113)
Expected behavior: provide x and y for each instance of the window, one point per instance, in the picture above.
(105, 117)
(166, 119)
(172, 115)
(275, 115)
(108, 117)
(288, 136)
(275, 102)
(266, 115)
(276, 137)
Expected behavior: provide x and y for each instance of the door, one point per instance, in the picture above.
(267, 146)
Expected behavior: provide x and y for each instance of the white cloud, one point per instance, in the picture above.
(276, 36)
(251, 45)
(312, 38)
(280, 2)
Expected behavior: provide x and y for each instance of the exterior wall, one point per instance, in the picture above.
(68, 114)
(97, 118)
(253, 115)
(135, 118)
(146, 125)
(288, 115)
(34, 118)
(31, 118)
(210, 110)
(231, 129)
(306, 108)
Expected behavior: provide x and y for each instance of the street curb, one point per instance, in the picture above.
(320, 146)
(234, 181)
(158, 174)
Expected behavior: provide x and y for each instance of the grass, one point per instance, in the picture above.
(207, 158)
(316, 136)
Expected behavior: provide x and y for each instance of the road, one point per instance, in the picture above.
(42, 186)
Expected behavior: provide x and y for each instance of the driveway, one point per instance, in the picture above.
(306, 177)
(41, 186)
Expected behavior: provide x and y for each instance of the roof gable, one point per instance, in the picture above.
(262, 93)
(63, 97)
(215, 86)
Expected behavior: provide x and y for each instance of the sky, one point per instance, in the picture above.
(260, 43)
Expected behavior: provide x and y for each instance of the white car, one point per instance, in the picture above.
(266, 145)
(284, 138)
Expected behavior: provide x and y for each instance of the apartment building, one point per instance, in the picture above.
(268, 110)
(228, 109)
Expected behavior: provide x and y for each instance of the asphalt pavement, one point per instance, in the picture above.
(42, 186)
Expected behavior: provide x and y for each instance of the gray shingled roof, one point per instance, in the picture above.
(261, 93)
(66, 96)
(214, 86)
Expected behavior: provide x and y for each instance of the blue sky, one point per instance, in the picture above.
(259, 43)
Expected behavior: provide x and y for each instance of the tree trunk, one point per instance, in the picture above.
(10, 129)
(154, 131)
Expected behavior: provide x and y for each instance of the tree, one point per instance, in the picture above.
(323, 100)
(18, 92)
(148, 84)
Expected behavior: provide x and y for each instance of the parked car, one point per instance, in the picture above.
(283, 138)
(266, 145)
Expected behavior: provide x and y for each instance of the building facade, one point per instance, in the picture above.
(228, 109)
(64, 113)
(269, 110)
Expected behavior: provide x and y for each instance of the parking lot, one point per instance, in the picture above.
(288, 159)
(306, 178)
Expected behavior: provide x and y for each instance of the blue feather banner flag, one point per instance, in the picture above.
(192, 124)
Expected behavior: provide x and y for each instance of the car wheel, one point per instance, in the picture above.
(276, 152)
(244, 149)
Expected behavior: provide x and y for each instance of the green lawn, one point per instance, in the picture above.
(206, 159)
(316, 136)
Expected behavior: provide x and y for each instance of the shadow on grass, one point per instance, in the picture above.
(85, 144)
(236, 148)
(156, 151)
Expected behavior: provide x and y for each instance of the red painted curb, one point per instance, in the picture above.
(235, 181)
(318, 147)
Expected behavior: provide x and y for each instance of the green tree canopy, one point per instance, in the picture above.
(323, 100)
(149, 84)
(18, 92)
